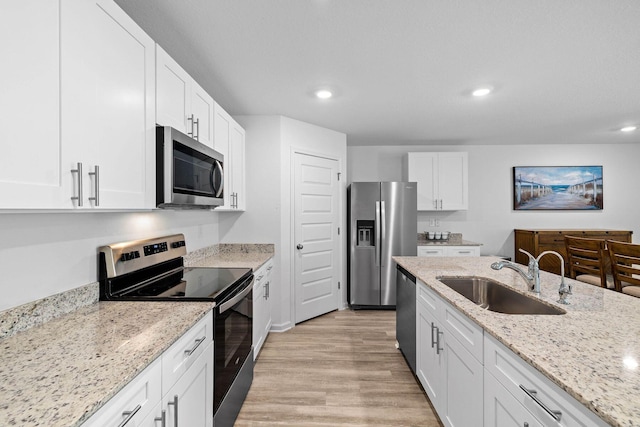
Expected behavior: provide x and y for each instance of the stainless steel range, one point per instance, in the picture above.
(153, 270)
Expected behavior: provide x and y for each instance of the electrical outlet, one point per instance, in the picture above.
(437, 222)
(432, 222)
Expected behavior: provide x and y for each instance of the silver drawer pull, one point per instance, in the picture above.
(199, 341)
(175, 410)
(129, 415)
(96, 177)
(533, 394)
(438, 348)
(78, 170)
(163, 419)
(433, 341)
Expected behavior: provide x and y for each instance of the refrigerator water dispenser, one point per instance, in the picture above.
(366, 236)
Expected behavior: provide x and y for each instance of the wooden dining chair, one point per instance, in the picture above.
(586, 260)
(625, 264)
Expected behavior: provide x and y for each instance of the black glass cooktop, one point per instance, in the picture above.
(192, 283)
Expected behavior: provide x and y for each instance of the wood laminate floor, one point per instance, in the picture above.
(340, 369)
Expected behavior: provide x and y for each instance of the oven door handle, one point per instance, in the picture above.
(233, 301)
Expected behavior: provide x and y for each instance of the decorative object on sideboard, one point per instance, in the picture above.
(557, 188)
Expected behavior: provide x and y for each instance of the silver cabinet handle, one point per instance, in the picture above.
(192, 125)
(199, 341)
(96, 183)
(435, 203)
(78, 170)
(129, 415)
(266, 290)
(175, 412)
(433, 341)
(162, 418)
(197, 126)
(438, 348)
(269, 268)
(556, 415)
(260, 277)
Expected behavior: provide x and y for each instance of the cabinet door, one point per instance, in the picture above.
(173, 97)
(501, 409)
(258, 312)
(122, 133)
(32, 174)
(190, 401)
(202, 111)
(429, 359)
(236, 150)
(461, 401)
(423, 169)
(222, 135)
(453, 191)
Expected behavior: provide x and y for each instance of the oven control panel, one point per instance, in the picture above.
(127, 257)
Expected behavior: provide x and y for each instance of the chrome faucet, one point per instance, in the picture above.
(532, 276)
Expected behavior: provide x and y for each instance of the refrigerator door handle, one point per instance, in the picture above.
(377, 232)
(383, 228)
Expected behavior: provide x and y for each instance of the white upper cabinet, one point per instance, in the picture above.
(31, 174)
(230, 141)
(84, 73)
(442, 179)
(180, 102)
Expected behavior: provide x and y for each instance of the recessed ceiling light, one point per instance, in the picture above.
(628, 129)
(324, 94)
(482, 91)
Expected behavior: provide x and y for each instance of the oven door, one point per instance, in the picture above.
(233, 336)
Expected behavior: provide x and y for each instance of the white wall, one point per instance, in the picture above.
(270, 142)
(42, 254)
(491, 219)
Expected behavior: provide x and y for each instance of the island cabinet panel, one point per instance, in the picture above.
(536, 241)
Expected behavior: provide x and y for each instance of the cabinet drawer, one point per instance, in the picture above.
(467, 332)
(427, 297)
(513, 372)
(553, 239)
(462, 251)
(183, 353)
(138, 397)
(430, 251)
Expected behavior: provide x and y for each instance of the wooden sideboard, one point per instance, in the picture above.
(536, 241)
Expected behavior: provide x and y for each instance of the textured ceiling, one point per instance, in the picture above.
(564, 71)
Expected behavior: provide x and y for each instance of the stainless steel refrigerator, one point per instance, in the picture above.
(382, 224)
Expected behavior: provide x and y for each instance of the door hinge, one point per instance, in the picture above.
(338, 231)
(339, 176)
(338, 285)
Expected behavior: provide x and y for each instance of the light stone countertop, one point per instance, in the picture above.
(582, 351)
(61, 372)
(231, 256)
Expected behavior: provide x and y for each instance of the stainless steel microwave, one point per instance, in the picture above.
(189, 175)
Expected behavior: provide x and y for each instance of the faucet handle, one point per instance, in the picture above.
(531, 257)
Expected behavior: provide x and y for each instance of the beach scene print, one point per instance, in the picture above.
(561, 187)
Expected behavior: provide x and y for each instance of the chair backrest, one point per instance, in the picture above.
(625, 263)
(586, 256)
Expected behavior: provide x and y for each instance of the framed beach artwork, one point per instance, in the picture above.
(557, 188)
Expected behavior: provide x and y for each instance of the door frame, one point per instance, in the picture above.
(341, 255)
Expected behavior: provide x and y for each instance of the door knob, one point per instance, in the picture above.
(299, 246)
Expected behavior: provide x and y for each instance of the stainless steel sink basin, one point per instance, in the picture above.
(494, 296)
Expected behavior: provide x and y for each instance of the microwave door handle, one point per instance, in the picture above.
(217, 166)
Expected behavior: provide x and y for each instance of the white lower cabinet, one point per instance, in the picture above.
(446, 250)
(261, 306)
(501, 409)
(449, 360)
(134, 402)
(474, 380)
(542, 399)
(176, 390)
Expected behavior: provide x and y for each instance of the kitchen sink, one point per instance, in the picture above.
(494, 296)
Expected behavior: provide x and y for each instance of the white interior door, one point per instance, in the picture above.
(316, 218)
